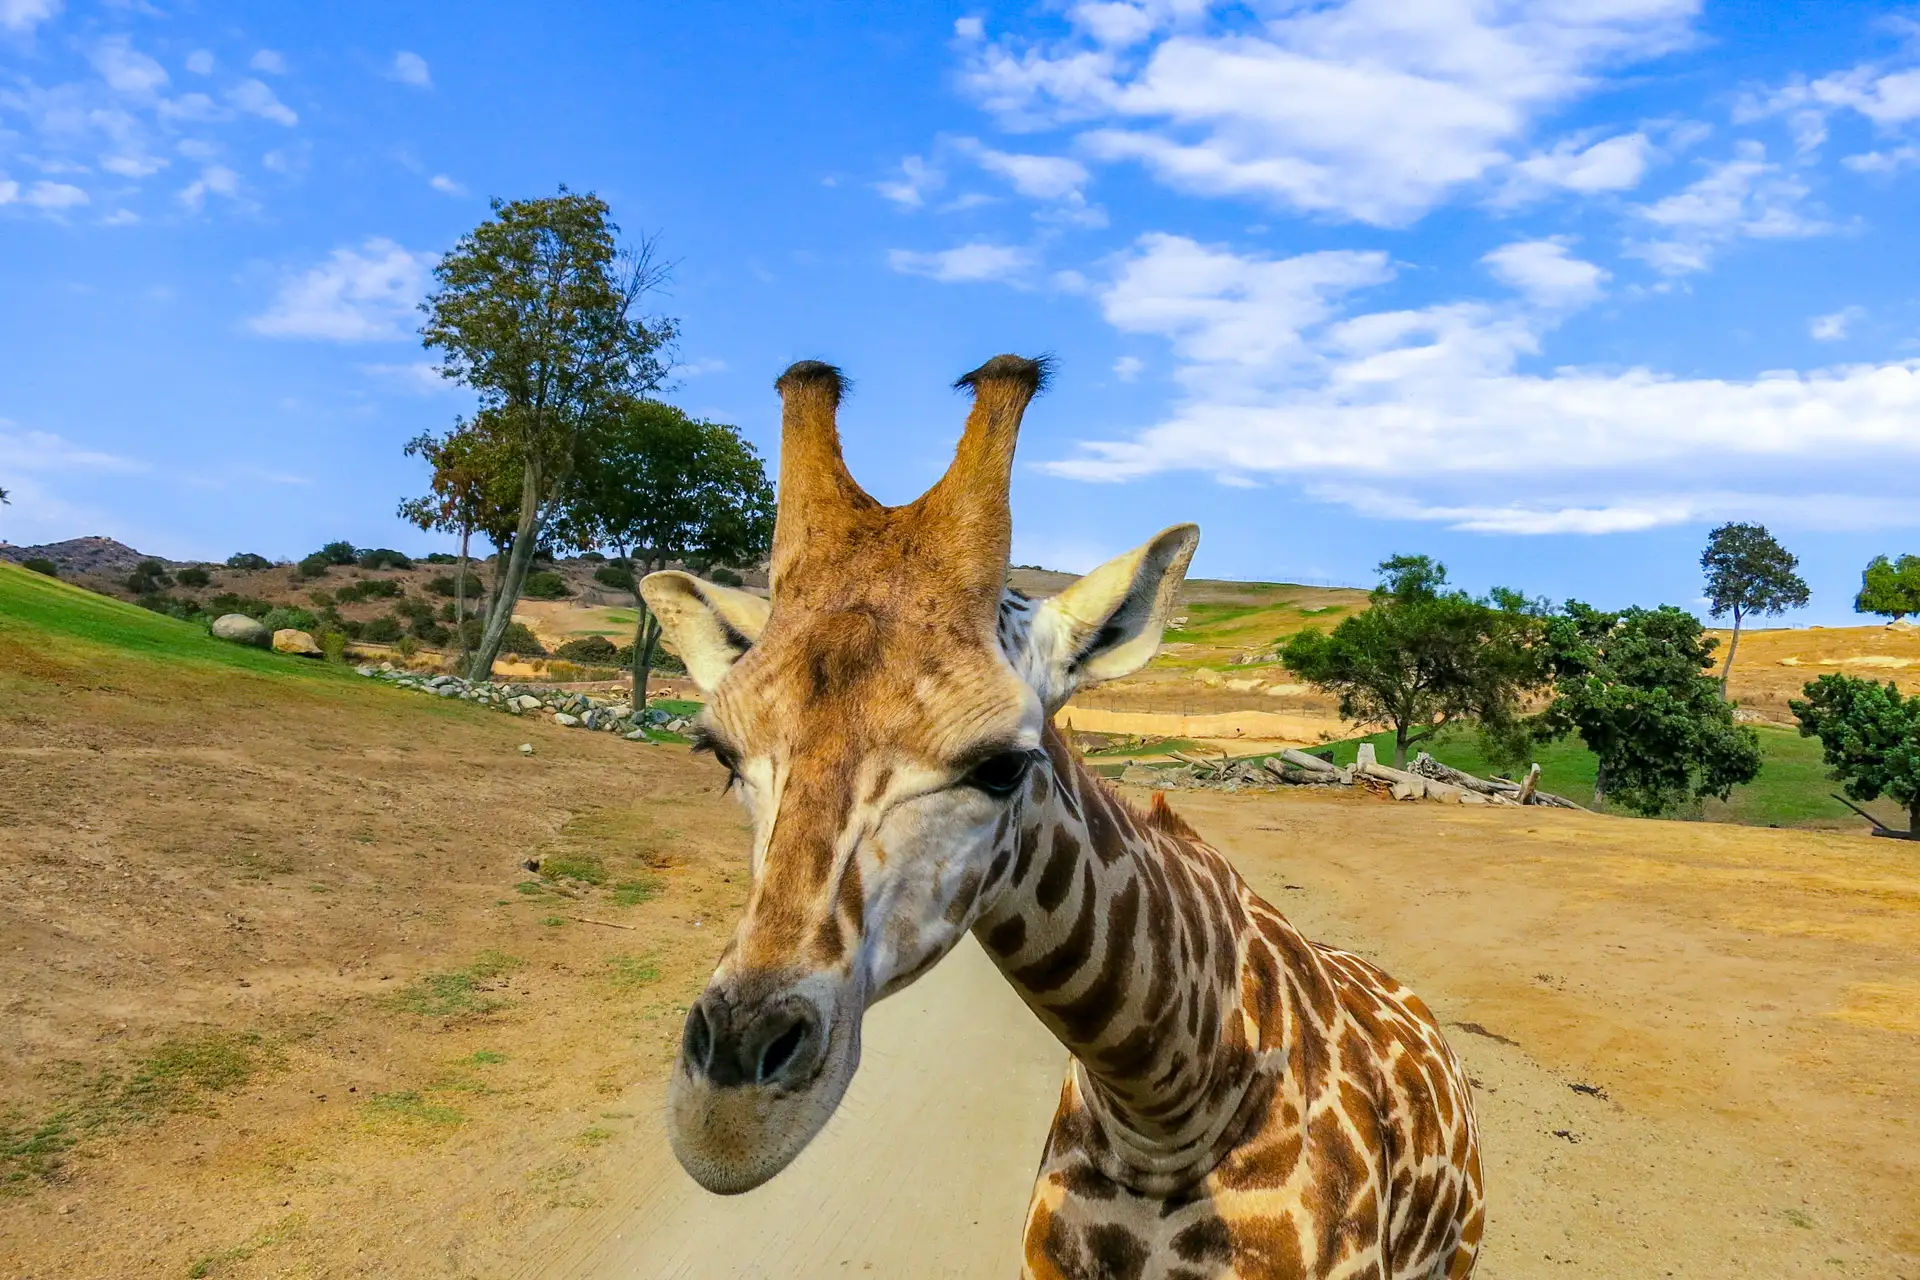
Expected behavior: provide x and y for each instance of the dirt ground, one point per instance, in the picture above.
(273, 953)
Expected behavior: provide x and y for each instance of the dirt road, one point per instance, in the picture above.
(924, 1171)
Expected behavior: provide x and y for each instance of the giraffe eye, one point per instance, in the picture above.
(1002, 774)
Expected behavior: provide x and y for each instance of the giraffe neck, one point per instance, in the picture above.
(1125, 936)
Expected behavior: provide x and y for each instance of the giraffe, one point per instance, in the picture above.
(1239, 1101)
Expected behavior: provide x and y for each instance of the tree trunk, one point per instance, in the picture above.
(526, 536)
(1400, 746)
(1600, 784)
(460, 597)
(1733, 646)
(645, 632)
(1913, 819)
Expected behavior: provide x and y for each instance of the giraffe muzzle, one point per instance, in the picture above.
(777, 1044)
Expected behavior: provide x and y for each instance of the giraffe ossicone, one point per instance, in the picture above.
(1240, 1101)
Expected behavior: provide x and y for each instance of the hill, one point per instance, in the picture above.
(80, 555)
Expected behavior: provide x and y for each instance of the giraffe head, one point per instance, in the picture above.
(881, 721)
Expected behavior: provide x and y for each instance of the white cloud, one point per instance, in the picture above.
(420, 377)
(356, 295)
(53, 196)
(1882, 96)
(1038, 177)
(446, 186)
(410, 68)
(255, 98)
(134, 165)
(1745, 196)
(1546, 273)
(24, 15)
(1833, 326)
(700, 368)
(200, 62)
(1612, 164)
(970, 263)
(1127, 368)
(1433, 405)
(9, 191)
(917, 178)
(969, 28)
(268, 62)
(126, 70)
(214, 179)
(1890, 161)
(1372, 110)
(43, 451)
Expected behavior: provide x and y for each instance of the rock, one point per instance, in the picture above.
(298, 643)
(447, 690)
(638, 735)
(526, 748)
(621, 710)
(241, 629)
(1138, 775)
(656, 716)
(525, 702)
(566, 721)
(366, 671)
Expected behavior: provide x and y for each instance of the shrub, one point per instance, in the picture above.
(334, 645)
(407, 646)
(434, 634)
(618, 575)
(519, 640)
(355, 630)
(414, 610)
(228, 602)
(663, 662)
(281, 617)
(193, 576)
(339, 553)
(41, 565)
(248, 562)
(441, 557)
(546, 584)
(314, 566)
(322, 597)
(148, 578)
(445, 585)
(593, 557)
(383, 558)
(594, 650)
(725, 577)
(382, 630)
(380, 589)
(160, 602)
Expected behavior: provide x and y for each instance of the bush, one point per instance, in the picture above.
(248, 562)
(445, 585)
(383, 630)
(282, 617)
(148, 578)
(314, 566)
(434, 634)
(193, 576)
(368, 589)
(339, 553)
(546, 584)
(407, 646)
(414, 610)
(663, 662)
(441, 557)
(159, 602)
(355, 630)
(593, 557)
(594, 650)
(383, 558)
(40, 565)
(334, 645)
(519, 640)
(618, 575)
(321, 597)
(227, 602)
(725, 577)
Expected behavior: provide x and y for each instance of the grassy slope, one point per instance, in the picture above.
(1792, 790)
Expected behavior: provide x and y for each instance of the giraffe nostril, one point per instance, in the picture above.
(696, 1043)
(779, 1053)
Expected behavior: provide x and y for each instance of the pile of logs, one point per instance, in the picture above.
(1425, 779)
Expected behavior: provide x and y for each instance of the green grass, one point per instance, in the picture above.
(1153, 747)
(584, 867)
(450, 995)
(1793, 789)
(677, 706)
(412, 1108)
(631, 893)
(629, 973)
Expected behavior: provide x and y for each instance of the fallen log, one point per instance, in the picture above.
(1300, 777)
(1426, 766)
(1406, 786)
(1531, 785)
(1302, 760)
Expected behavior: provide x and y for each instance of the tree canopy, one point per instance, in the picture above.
(1634, 686)
(1748, 574)
(1890, 588)
(1422, 656)
(1869, 736)
(537, 311)
(658, 486)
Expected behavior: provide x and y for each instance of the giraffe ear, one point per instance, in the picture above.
(1109, 623)
(708, 625)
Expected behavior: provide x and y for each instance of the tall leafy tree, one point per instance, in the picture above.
(1422, 656)
(469, 490)
(1890, 588)
(660, 487)
(537, 310)
(1634, 686)
(1749, 574)
(1870, 737)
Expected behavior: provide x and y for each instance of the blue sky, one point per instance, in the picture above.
(1545, 289)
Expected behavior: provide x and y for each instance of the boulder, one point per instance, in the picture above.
(566, 721)
(241, 629)
(298, 643)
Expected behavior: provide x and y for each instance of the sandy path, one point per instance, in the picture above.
(924, 1171)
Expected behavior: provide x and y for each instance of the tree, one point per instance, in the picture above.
(468, 491)
(1634, 686)
(1421, 657)
(1890, 588)
(536, 312)
(1749, 573)
(1870, 736)
(663, 487)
